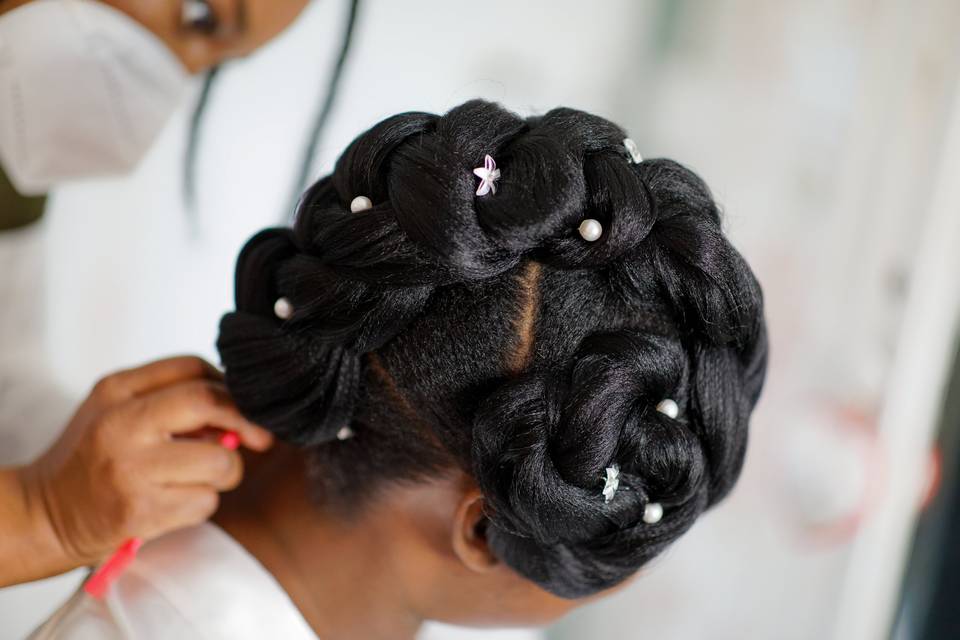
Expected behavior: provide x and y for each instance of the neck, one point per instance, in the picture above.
(340, 573)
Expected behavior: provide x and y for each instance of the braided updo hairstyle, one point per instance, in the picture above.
(447, 329)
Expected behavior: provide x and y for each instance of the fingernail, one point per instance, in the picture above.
(229, 440)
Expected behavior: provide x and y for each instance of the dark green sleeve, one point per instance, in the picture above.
(17, 210)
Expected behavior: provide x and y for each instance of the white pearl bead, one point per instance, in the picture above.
(345, 433)
(590, 230)
(360, 203)
(283, 309)
(652, 512)
(668, 408)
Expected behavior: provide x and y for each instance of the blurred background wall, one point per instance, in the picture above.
(828, 130)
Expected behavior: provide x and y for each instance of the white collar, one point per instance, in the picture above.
(218, 586)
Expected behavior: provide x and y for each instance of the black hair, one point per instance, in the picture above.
(448, 329)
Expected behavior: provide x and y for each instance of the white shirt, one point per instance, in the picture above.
(33, 407)
(198, 583)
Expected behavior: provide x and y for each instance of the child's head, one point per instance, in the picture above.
(484, 339)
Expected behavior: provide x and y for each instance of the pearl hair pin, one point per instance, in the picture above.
(590, 230)
(360, 203)
(612, 483)
(488, 174)
(668, 408)
(345, 433)
(632, 150)
(282, 308)
(653, 512)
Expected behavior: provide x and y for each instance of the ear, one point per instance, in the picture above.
(470, 533)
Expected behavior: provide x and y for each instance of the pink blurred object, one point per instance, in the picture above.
(833, 470)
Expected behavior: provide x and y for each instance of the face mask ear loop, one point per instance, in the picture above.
(323, 112)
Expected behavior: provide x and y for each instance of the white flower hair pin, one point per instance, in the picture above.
(632, 150)
(613, 482)
(488, 174)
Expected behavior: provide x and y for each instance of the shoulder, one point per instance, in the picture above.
(134, 609)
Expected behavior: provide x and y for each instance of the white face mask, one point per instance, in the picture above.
(84, 91)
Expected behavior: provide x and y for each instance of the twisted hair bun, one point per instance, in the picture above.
(446, 328)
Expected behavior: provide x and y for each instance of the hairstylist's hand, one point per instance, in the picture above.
(126, 464)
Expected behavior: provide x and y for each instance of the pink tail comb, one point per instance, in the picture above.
(99, 583)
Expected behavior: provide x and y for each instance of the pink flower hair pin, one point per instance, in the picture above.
(488, 174)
